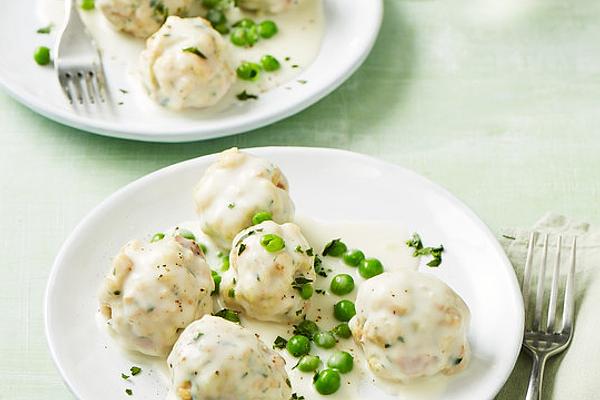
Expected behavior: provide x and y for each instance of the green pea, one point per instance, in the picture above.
(186, 234)
(261, 217)
(344, 310)
(238, 37)
(335, 248)
(42, 55)
(248, 71)
(370, 267)
(272, 243)
(270, 63)
(298, 345)
(354, 257)
(342, 331)
(327, 381)
(216, 17)
(217, 279)
(87, 5)
(325, 340)
(157, 237)
(341, 361)
(267, 29)
(251, 36)
(306, 291)
(309, 363)
(341, 284)
(244, 23)
(307, 328)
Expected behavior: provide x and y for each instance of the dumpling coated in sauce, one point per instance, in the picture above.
(141, 18)
(266, 285)
(235, 188)
(215, 359)
(411, 325)
(186, 64)
(154, 291)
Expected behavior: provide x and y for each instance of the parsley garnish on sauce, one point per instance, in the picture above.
(279, 343)
(129, 391)
(45, 30)
(246, 96)
(135, 370)
(194, 50)
(436, 252)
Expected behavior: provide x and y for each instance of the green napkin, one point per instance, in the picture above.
(574, 374)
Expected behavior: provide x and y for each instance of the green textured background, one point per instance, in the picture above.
(497, 100)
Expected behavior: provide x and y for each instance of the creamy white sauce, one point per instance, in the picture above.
(376, 239)
(301, 30)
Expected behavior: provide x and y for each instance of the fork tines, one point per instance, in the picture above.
(534, 322)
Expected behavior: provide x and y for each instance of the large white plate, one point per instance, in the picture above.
(330, 185)
(350, 33)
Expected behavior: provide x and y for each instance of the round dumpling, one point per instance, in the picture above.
(410, 325)
(234, 189)
(141, 18)
(269, 264)
(215, 359)
(271, 6)
(186, 64)
(154, 291)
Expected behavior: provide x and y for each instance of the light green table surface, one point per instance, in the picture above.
(497, 100)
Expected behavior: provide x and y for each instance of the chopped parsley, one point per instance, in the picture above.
(306, 328)
(300, 281)
(299, 249)
(302, 81)
(246, 96)
(195, 51)
(231, 205)
(135, 370)
(436, 252)
(509, 237)
(231, 293)
(241, 249)
(124, 376)
(319, 269)
(129, 392)
(45, 30)
(198, 336)
(279, 343)
(296, 397)
(229, 315)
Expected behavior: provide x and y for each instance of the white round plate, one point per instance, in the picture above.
(330, 185)
(350, 33)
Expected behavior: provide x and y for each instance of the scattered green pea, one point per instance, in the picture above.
(244, 23)
(298, 345)
(216, 17)
(88, 5)
(335, 248)
(306, 291)
(42, 55)
(272, 243)
(342, 284)
(327, 381)
(270, 63)
(342, 331)
(309, 363)
(341, 361)
(238, 37)
(248, 71)
(251, 36)
(261, 217)
(370, 267)
(344, 310)
(325, 340)
(354, 257)
(157, 237)
(186, 234)
(267, 29)
(307, 328)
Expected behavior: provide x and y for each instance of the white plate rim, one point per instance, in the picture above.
(132, 186)
(299, 104)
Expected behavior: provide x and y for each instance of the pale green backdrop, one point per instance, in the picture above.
(497, 100)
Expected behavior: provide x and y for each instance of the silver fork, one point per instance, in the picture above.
(78, 62)
(546, 340)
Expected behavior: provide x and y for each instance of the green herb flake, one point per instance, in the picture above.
(419, 250)
(229, 315)
(124, 376)
(45, 30)
(299, 282)
(198, 336)
(231, 205)
(129, 392)
(279, 343)
(194, 50)
(244, 96)
(135, 370)
(241, 249)
(509, 237)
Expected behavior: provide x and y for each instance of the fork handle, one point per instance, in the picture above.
(534, 390)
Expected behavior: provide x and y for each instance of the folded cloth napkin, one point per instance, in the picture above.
(575, 374)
